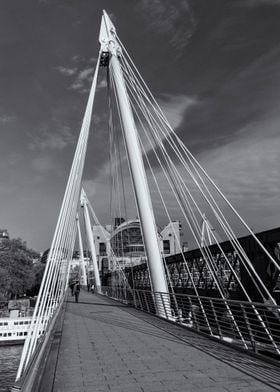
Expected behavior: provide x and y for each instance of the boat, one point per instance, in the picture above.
(15, 321)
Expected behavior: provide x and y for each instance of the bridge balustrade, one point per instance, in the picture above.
(30, 380)
(249, 326)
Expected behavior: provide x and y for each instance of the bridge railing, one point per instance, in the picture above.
(247, 325)
(30, 380)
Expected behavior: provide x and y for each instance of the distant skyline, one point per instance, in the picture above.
(214, 68)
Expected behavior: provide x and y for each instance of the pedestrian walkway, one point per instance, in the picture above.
(106, 346)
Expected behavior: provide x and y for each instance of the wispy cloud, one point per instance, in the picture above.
(77, 58)
(81, 74)
(43, 164)
(246, 169)
(86, 74)
(93, 60)
(14, 158)
(256, 3)
(175, 107)
(52, 140)
(66, 71)
(102, 84)
(83, 80)
(5, 119)
(166, 18)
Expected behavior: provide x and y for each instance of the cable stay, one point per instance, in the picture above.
(55, 279)
(155, 178)
(113, 257)
(187, 181)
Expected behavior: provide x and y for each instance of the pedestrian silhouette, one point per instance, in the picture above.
(77, 291)
(71, 285)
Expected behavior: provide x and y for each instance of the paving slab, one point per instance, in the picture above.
(107, 346)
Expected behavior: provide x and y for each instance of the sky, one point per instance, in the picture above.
(214, 68)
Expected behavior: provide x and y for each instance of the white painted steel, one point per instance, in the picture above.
(52, 289)
(90, 242)
(143, 199)
(81, 255)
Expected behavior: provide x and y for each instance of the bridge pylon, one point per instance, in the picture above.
(84, 204)
(81, 254)
(109, 44)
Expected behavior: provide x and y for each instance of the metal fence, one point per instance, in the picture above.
(31, 378)
(248, 325)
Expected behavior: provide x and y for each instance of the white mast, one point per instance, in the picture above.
(81, 254)
(84, 204)
(107, 39)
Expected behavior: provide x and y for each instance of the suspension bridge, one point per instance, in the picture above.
(206, 318)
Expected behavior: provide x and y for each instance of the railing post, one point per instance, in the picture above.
(146, 302)
(216, 318)
(236, 326)
(140, 299)
(249, 329)
(163, 303)
(193, 315)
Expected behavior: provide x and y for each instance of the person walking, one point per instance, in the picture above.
(72, 285)
(77, 291)
(92, 288)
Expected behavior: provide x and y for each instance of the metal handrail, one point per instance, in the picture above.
(30, 379)
(251, 326)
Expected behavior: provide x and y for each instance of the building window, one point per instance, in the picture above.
(166, 246)
(102, 248)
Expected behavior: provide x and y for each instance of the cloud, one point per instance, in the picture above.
(245, 94)
(175, 106)
(66, 71)
(257, 3)
(5, 119)
(83, 80)
(102, 84)
(246, 169)
(14, 158)
(52, 140)
(98, 187)
(43, 164)
(175, 19)
(86, 74)
(82, 77)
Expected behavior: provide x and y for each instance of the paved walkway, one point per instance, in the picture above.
(106, 346)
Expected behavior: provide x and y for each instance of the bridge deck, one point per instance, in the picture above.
(106, 346)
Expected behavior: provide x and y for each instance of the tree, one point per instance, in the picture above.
(38, 272)
(16, 268)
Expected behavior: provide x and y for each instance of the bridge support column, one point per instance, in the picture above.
(143, 199)
(91, 244)
(81, 257)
